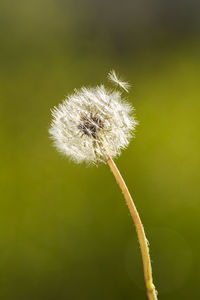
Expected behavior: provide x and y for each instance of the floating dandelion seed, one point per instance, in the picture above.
(113, 77)
(93, 125)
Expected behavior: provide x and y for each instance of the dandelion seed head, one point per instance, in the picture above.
(112, 76)
(91, 124)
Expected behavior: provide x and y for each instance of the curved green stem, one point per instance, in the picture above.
(150, 288)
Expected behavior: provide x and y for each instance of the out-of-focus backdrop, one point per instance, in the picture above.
(65, 231)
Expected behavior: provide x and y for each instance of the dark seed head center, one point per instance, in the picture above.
(91, 125)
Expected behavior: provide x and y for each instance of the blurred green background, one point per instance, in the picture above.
(65, 231)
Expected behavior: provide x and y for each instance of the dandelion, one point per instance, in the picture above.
(93, 125)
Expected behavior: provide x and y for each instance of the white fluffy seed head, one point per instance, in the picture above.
(91, 124)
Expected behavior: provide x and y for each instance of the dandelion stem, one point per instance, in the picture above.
(150, 288)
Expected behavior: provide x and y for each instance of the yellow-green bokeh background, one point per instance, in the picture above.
(65, 231)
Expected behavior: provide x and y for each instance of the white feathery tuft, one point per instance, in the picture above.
(91, 124)
(112, 76)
